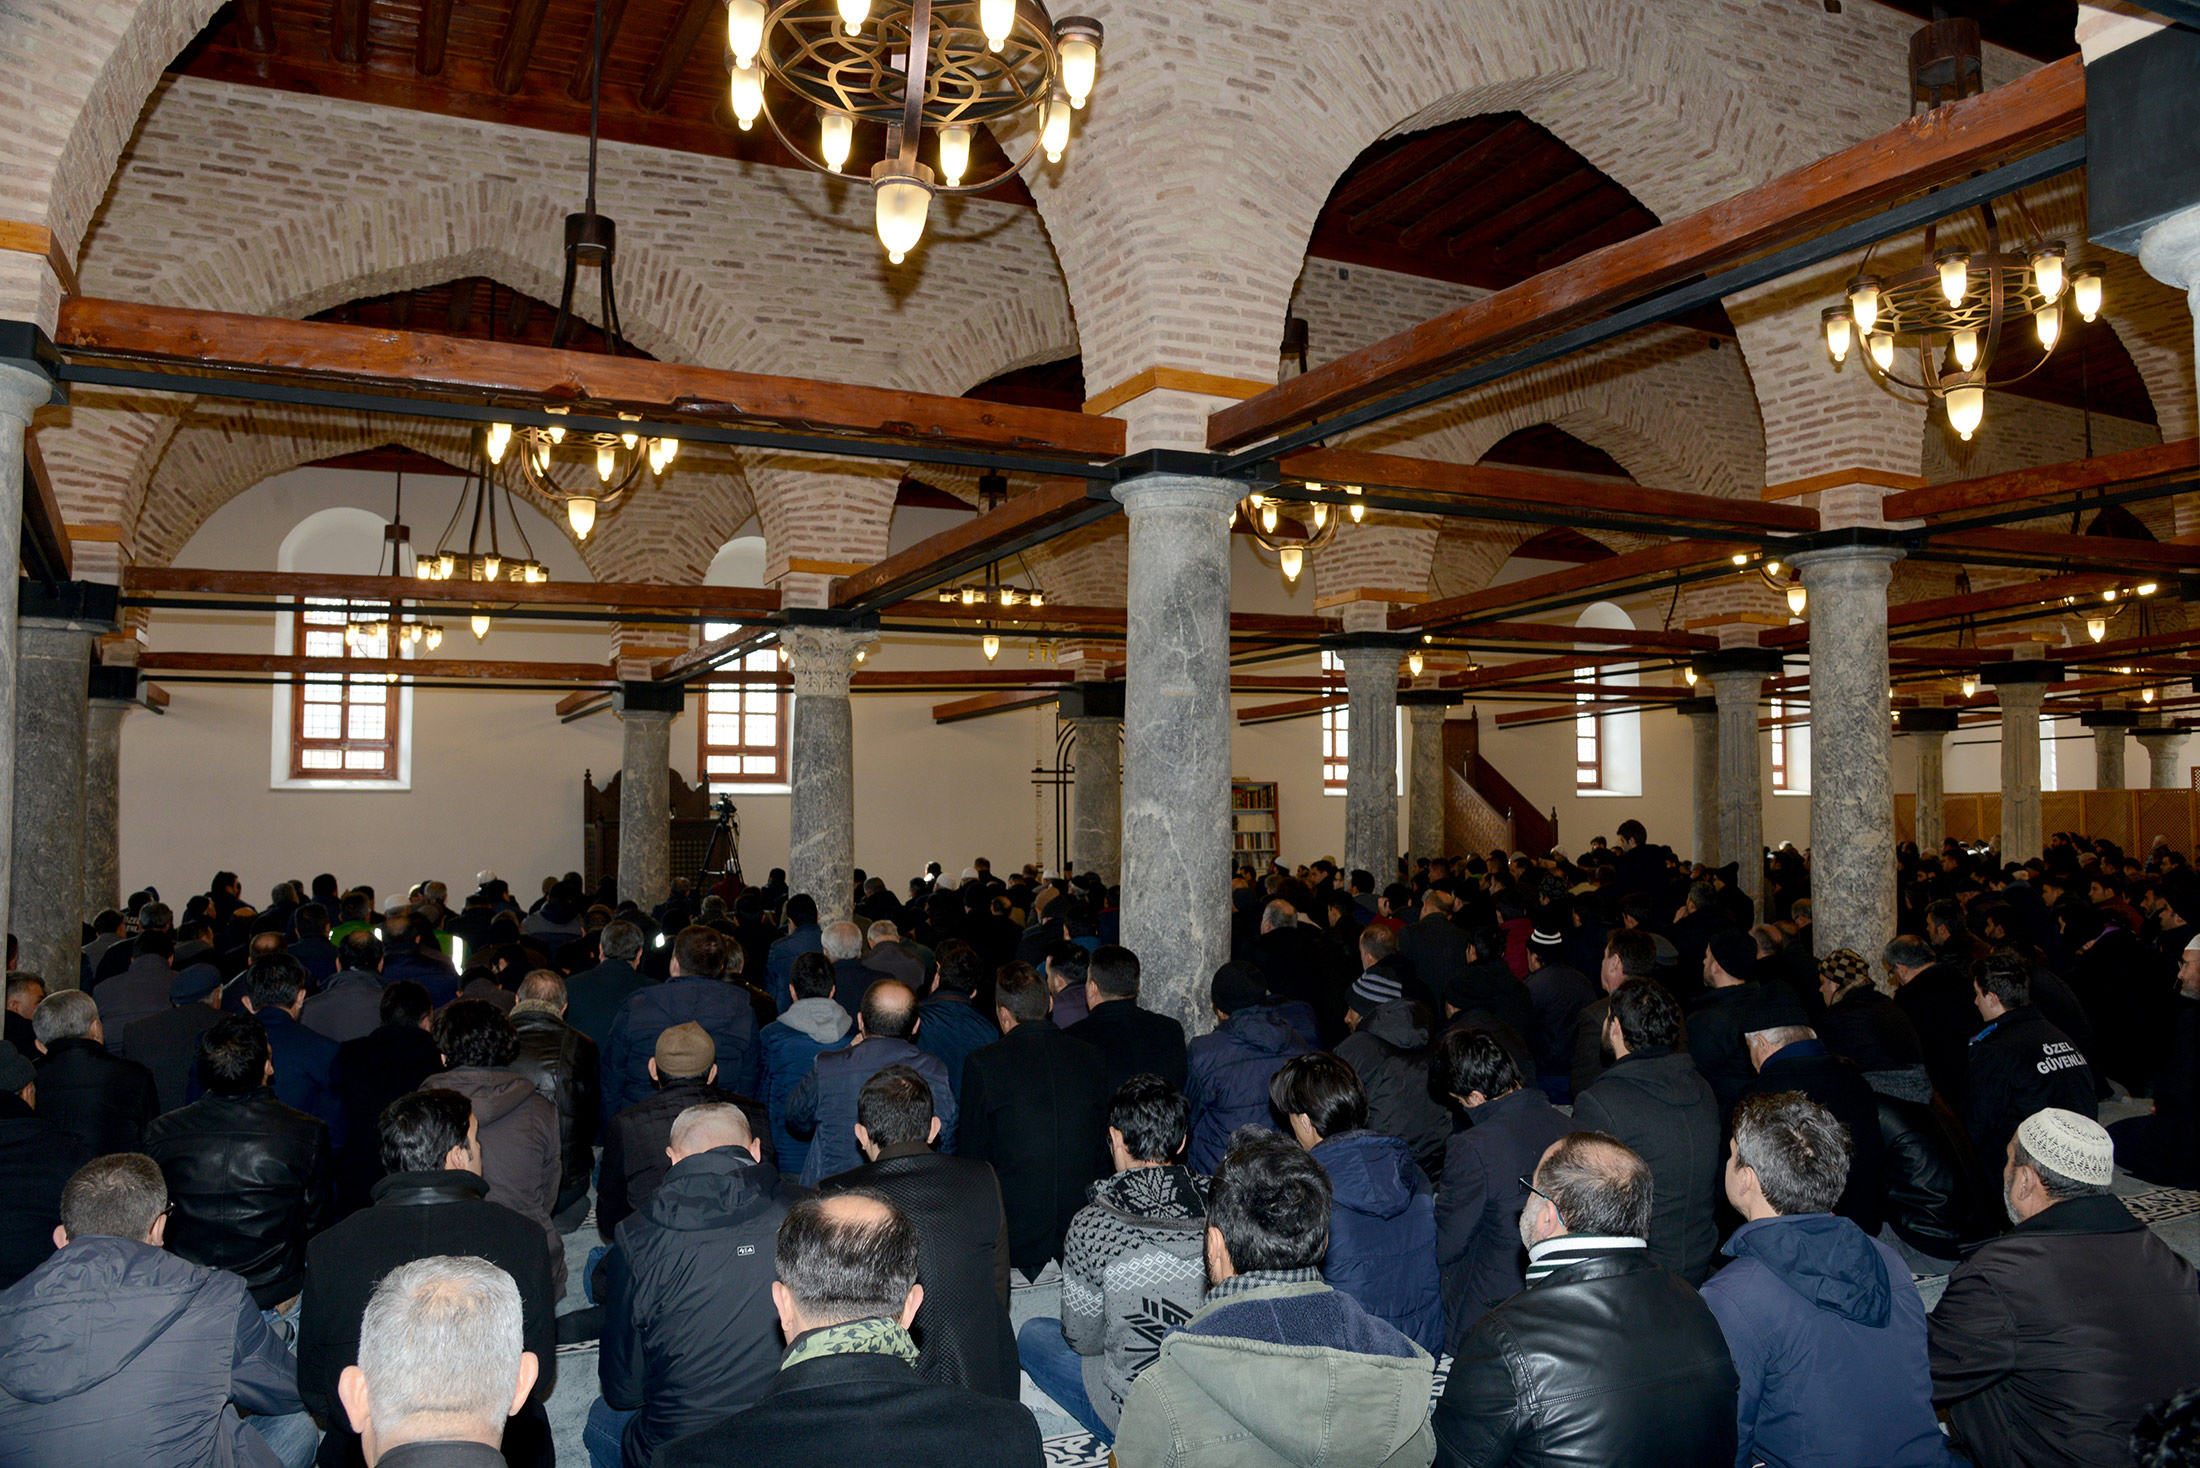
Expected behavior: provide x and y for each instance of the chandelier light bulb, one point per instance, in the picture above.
(2096, 628)
(1321, 514)
(607, 459)
(1881, 346)
(836, 136)
(1256, 499)
(1690, 675)
(499, 439)
(424, 569)
(2047, 270)
(904, 199)
(580, 513)
(1268, 517)
(782, 655)
(1966, 346)
(1292, 559)
(1966, 409)
(556, 432)
(954, 153)
(1038, 598)
(1955, 275)
(853, 13)
(542, 457)
(2085, 291)
(1358, 511)
(1864, 302)
(671, 447)
(2109, 595)
(491, 564)
(1970, 684)
(630, 440)
(1415, 662)
(2145, 588)
(435, 637)
(746, 92)
(1080, 53)
(1838, 326)
(2047, 321)
(992, 646)
(481, 624)
(996, 18)
(744, 30)
(970, 596)
(2146, 695)
(1798, 599)
(1741, 558)
(1054, 133)
(445, 564)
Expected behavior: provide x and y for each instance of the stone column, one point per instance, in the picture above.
(2162, 746)
(1371, 768)
(103, 803)
(2109, 727)
(1703, 729)
(1851, 748)
(1737, 678)
(1927, 730)
(1425, 792)
(21, 393)
(645, 790)
(2021, 687)
(1176, 738)
(53, 653)
(821, 817)
(1095, 711)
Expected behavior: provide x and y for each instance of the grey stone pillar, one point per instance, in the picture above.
(1703, 730)
(1927, 731)
(21, 393)
(1425, 793)
(1851, 748)
(1371, 768)
(2021, 687)
(1737, 679)
(821, 816)
(2163, 746)
(645, 791)
(2109, 727)
(1095, 712)
(53, 665)
(1176, 738)
(103, 803)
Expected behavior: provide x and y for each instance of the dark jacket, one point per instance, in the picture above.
(416, 1215)
(1299, 965)
(950, 1027)
(1228, 1070)
(634, 1142)
(249, 1182)
(719, 1007)
(823, 1103)
(519, 1147)
(1589, 1061)
(1869, 1028)
(1938, 1003)
(1478, 1206)
(102, 1100)
(1939, 1201)
(1491, 989)
(116, 1352)
(2019, 1064)
(348, 1007)
(1133, 1042)
(1390, 1052)
(1659, 1104)
(563, 1065)
(37, 1159)
(779, 962)
(167, 1044)
(864, 1409)
(305, 1070)
(1035, 1105)
(138, 992)
(1604, 1361)
(1719, 1019)
(594, 997)
(790, 1046)
(690, 1334)
(2052, 1339)
(1828, 1340)
(962, 1328)
(1382, 1233)
(1438, 949)
(1833, 1083)
(371, 1073)
(1558, 995)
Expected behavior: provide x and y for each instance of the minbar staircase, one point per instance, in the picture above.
(1483, 810)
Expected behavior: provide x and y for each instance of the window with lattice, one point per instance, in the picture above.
(343, 726)
(1588, 736)
(1336, 732)
(744, 726)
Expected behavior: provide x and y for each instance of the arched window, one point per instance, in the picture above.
(1607, 745)
(743, 731)
(337, 731)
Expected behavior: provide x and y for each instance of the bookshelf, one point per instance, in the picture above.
(1252, 822)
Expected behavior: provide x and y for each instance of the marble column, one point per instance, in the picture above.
(1176, 738)
(1737, 679)
(821, 816)
(2110, 727)
(103, 803)
(53, 666)
(21, 393)
(1425, 792)
(2164, 771)
(1851, 748)
(1703, 729)
(1927, 730)
(1371, 768)
(1096, 796)
(645, 798)
(2021, 688)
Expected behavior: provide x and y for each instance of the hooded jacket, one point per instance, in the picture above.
(1134, 1268)
(1229, 1069)
(1281, 1376)
(1659, 1104)
(1390, 1052)
(114, 1351)
(791, 1045)
(634, 1142)
(1382, 1233)
(1828, 1340)
(690, 1334)
(519, 1147)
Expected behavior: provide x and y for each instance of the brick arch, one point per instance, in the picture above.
(1025, 329)
(809, 512)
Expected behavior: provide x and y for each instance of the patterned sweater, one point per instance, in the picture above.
(1134, 1268)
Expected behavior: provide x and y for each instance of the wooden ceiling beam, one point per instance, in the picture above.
(2053, 481)
(1514, 219)
(44, 548)
(1678, 555)
(432, 44)
(1589, 211)
(256, 26)
(608, 596)
(347, 30)
(1655, 639)
(2105, 551)
(584, 67)
(1969, 604)
(422, 667)
(673, 53)
(1001, 702)
(1293, 708)
(2038, 110)
(955, 551)
(1374, 192)
(522, 27)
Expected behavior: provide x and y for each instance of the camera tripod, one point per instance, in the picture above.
(726, 829)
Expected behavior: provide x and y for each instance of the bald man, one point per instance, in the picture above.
(690, 1334)
(822, 1106)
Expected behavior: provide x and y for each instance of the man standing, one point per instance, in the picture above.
(100, 1099)
(951, 1025)
(167, 1043)
(1809, 1286)
(37, 1159)
(519, 1128)
(1734, 1004)
(1479, 1202)
(2020, 1064)
(2053, 1338)
(1604, 1357)
(441, 1368)
(1277, 1368)
(962, 1328)
(1559, 995)
(1035, 1105)
(823, 1105)
(139, 991)
(1628, 954)
(373, 1071)
(1794, 1059)
(1132, 1041)
(2163, 1146)
(1389, 1047)
(1661, 1108)
(803, 936)
(1437, 947)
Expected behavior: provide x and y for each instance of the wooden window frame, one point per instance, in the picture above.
(745, 696)
(1779, 746)
(1336, 734)
(390, 745)
(1589, 773)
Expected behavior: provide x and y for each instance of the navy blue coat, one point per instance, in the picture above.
(305, 1071)
(1478, 1215)
(951, 1028)
(824, 1104)
(789, 1051)
(779, 961)
(1382, 1233)
(1229, 1070)
(719, 1007)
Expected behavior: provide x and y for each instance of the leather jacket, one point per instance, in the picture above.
(1937, 1199)
(250, 1183)
(564, 1066)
